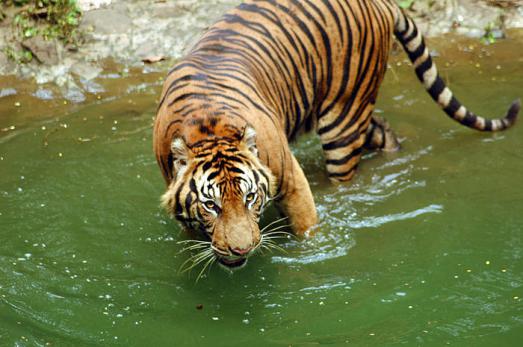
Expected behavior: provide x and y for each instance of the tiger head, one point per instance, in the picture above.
(220, 189)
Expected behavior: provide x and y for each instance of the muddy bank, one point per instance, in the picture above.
(119, 35)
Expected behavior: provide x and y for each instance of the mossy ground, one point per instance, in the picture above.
(50, 19)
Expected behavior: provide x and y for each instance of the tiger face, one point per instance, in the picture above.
(219, 190)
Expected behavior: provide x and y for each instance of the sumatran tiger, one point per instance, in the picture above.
(266, 72)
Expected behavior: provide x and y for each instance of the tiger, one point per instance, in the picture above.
(265, 73)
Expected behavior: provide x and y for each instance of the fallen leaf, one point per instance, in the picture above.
(153, 59)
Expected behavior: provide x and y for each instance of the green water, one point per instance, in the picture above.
(423, 247)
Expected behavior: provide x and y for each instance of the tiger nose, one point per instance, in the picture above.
(241, 251)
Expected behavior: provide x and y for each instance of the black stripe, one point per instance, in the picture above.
(424, 67)
(411, 37)
(341, 143)
(417, 53)
(488, 125)
(342, 174)
(437, 88)
(452, 107)
(469, 120)
(345, 159)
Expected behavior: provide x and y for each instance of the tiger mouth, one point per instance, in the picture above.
(233, 263)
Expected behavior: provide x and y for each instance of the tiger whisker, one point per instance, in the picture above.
(271, 247)
(277, 229)
(276, 232)
(209, 262)
(194, 247)
(192, 241)
(196, 259)
(197, 262)
(272, 223)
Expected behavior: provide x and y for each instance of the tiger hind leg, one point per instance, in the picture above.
(380, 136)
(343, 147)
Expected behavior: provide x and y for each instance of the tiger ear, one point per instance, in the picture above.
(181, 155)
(249, 139)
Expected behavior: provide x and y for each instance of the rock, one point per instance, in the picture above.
(44, 94)
(86, 70)
(87, 5)
(4, 60)
(106, 21)
(46, 52)
(145, 49)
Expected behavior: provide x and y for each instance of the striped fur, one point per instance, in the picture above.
(284, 67)
(407, 33)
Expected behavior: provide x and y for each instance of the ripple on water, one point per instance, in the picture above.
(340, 212)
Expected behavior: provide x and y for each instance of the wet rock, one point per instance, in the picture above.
(73, 93)
(46, 52)
(44, 94)
(145, 49)
(86, 70)
(106, 21)
(91, 86)
(7, 91)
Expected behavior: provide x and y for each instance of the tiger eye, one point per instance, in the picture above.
(210, 205)
(250, 197)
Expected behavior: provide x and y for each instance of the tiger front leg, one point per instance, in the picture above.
(381, 136)
(297, 202)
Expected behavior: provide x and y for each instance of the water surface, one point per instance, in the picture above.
(423, 247)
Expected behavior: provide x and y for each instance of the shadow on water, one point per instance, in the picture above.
(423, 246)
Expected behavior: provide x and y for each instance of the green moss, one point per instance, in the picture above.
(53, 19)
(19, 56)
